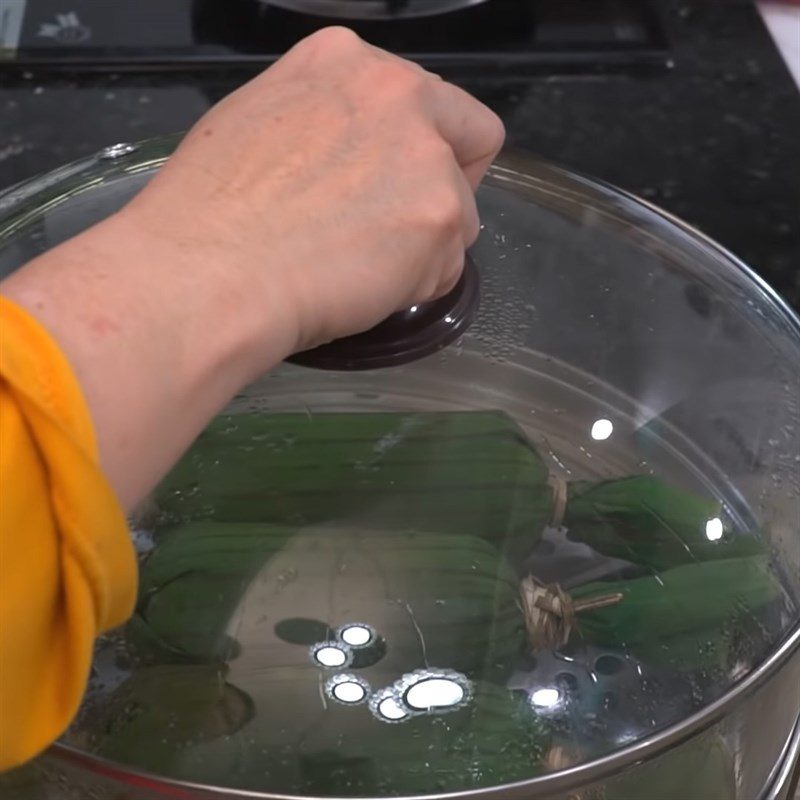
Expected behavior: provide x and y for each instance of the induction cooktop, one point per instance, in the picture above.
(486, 34)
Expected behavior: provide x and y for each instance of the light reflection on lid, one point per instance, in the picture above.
(714, 529)
(356, 635)
(602, 430)
(330, 655)
(546, 697)
(434, 693)
(347, 689)
(422, 692)
(391, 709)
(386, 706)
(433, 690)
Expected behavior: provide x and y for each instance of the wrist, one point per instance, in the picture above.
(232, 317)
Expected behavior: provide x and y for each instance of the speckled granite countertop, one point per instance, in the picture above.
(714, 140)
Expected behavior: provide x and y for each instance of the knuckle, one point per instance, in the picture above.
(396, 80)
(449, 282)
(335, 40)
(496, 131)
(429, 286)
(492, 130)
(472, 228)
(443, 212)
(417, 80)
(451, 269)
(430, 150)
(417, 85)
(440, 150)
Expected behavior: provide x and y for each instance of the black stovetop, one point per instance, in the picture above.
(712, 137)
(194, 33)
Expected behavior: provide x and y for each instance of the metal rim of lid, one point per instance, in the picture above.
(543, 786)
(119, 150)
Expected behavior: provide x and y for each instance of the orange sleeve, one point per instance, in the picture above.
(67, 566)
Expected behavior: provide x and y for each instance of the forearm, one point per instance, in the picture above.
(159, 336)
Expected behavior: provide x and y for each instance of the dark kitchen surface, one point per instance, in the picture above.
(712, 140)
(152, 34)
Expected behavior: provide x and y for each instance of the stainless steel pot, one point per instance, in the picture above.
(613, 341)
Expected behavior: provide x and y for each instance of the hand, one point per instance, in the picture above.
(332, 190)
(340, 181)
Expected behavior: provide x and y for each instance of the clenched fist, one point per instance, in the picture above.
(340, 183)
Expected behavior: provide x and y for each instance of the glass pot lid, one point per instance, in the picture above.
(559, 543)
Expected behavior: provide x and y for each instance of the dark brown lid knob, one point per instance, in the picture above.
(405, 336)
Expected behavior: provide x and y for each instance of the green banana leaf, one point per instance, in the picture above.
(459, 474)
(188, 722)
(160, 710)
(212, 589)
(462, 472)
(28, 782)
(496, 738)
(191, 585)
(466, 473)
(686, 616)
(647, 521)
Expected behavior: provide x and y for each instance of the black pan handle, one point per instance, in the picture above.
(405, 336)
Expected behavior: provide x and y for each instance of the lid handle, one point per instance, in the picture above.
(405, 336)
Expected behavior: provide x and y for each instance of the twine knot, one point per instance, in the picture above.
(550, 612)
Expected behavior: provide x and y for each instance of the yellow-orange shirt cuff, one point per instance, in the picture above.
(67, 565)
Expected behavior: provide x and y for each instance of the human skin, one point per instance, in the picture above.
(330, 191)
